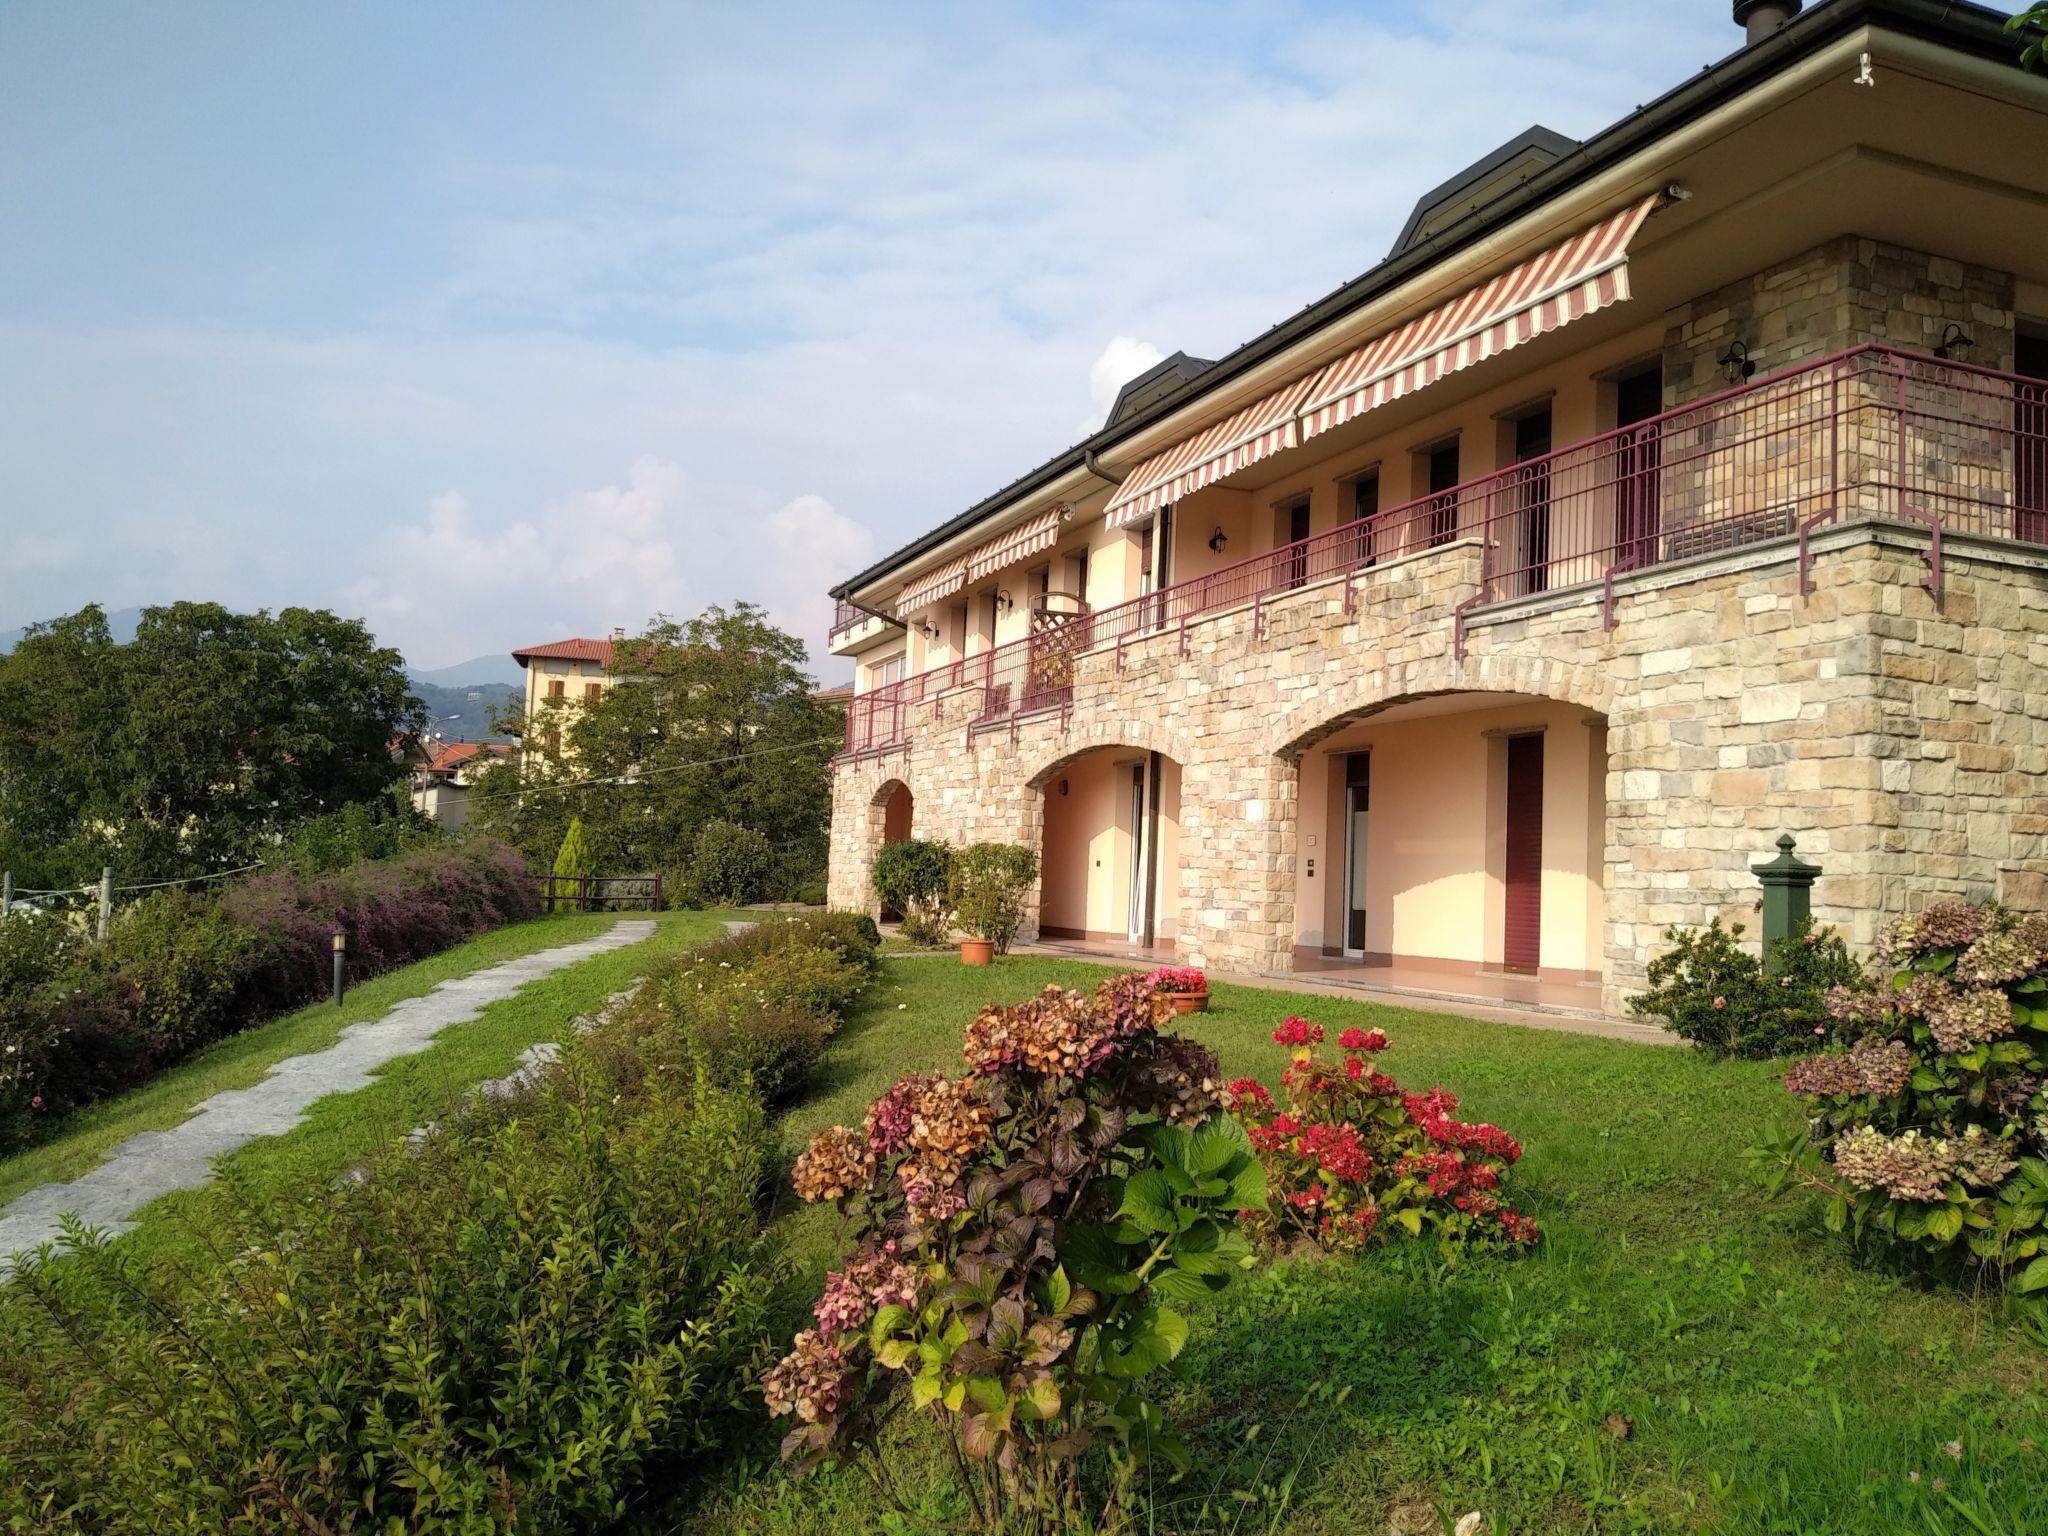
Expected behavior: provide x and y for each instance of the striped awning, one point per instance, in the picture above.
(1586, 273)
(1020, 543)
(1259, 430)
(932, 586)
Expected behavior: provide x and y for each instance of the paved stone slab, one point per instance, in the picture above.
(155, 1163)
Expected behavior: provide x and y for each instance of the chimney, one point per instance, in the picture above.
(619, 632)
(1760, 18)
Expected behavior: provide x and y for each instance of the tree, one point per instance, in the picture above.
(195, 746)
(574, 860)
(2032, 25)
(712, 719)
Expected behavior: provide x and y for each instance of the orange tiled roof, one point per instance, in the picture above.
(599, 651)
(455, 753)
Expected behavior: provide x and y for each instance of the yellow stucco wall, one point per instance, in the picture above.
(1434, 849)
(1086, 879)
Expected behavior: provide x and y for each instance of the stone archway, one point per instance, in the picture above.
(1108, 806)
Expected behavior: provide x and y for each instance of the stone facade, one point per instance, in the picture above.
(1904, 744)
(1904, 741)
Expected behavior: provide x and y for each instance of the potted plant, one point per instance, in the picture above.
(1184, 986)
(986, 887)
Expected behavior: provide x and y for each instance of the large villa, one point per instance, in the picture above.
(1654, 496)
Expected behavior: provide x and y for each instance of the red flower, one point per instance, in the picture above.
(1249, 1090)
(1297, 1031)
(1353, 1068)
(1367, 1040)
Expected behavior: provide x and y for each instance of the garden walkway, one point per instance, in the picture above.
(156, 1163)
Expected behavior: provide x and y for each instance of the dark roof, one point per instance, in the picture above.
(1957, 24)
(1156, 383)
(1481, 182)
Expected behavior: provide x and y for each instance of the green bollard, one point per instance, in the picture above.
(1788, 894)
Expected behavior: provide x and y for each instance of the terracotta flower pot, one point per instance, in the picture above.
(977, 951)
(1189, 1002)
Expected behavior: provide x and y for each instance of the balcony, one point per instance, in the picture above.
(1871, 433)
(853, 628)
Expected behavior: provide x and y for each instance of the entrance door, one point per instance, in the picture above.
(1532, 500)
(1637, 399)
(1357, 807)
(1137, 873)
(1443, 506)
(2030, 439)
(1522, 945)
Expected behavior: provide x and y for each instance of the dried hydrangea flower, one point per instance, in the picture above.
(1948, 925)
(1999, 957)
(836, 1163)
(811, 1381)
(1878, 1067)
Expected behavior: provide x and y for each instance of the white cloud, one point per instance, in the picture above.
(1115, 366)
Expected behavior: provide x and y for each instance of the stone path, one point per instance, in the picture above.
(155, 1163)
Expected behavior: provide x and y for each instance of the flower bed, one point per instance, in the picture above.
(1928, 1117)
(1353, 1160)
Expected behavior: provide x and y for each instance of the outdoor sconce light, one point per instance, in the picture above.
(1063, 786)
(1004, 600)
(1955, 341)
(1217, 540)
(928, 629)
(1736, 362)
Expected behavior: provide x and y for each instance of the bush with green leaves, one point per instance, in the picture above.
(532, 1323)
(986, 886)
(1708, 989)
(1024, 1238)
(757, 1006)
(729, 865)
(574, 860)
(179, 958)
(910, 873)
(1927, 1129)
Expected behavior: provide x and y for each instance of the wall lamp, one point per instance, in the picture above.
(1955, 341)
(1217, 540)
(1736, 363)
(928, 629)
(1004, 602)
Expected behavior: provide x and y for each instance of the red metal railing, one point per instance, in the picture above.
(1869, 432)
(844, 617)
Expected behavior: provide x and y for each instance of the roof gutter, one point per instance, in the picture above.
(1596, 166)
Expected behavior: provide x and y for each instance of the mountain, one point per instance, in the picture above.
(464, 713)
(499, 669)
(120, 624)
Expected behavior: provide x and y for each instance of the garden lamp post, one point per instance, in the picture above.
(1788, 894)
(340, 965)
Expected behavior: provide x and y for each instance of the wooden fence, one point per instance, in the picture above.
(601, 893)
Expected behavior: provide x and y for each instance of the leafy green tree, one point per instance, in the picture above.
(197, 745)
(712, 720)
(2032, 25)
(574, 859)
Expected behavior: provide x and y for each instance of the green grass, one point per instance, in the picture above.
(344, 1127)
(1759, 1378)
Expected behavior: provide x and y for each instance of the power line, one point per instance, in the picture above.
(153, 885)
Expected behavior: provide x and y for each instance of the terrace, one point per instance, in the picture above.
(1873, 433)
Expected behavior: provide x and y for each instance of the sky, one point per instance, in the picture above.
(493, 324)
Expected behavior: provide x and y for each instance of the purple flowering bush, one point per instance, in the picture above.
(80, 1022)
(1023, 1236)
(1927, 1130)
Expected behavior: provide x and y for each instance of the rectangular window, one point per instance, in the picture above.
(2030, 437)
(1532, 499)
(556, 688)
(1638, 399)
(591, 691)
(1365, 506)
(554, 741)
(1294, 525)
(1441, 518)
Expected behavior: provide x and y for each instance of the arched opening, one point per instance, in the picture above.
(1110, 855)
(1456, 835)
(897, 808)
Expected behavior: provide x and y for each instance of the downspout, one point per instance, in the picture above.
(1092, 462)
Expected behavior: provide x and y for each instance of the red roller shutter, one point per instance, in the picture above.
(1522, 943)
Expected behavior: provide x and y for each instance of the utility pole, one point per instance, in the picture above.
(6, 893)
(106, 900)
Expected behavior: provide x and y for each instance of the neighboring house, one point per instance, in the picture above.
(441, 782)
(1655, 496)
(562, 676)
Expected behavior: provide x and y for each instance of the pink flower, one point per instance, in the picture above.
(36, 1102)
(1720, 1002)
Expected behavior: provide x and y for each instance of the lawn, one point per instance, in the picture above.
(411, 1090)
(1676, 1355)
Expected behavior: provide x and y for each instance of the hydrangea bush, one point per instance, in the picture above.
(1351, 1159)
(1023, 1234)
(1708, 989)
(1927, 1128)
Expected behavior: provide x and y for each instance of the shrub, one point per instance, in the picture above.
(180, 970)
(1353, 1160)
(363, 829)
(986, 886)
(574, 860)
(911, 874)
(729, 864)
(758, 1005)
(1023, 1236)
(1927, 1133)
(1711, 991)
(519, 1327)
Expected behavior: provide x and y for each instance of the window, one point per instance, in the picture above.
(2030, 419)
(1442, 469)
(890, 671)
(1638, 400)
(1532, 499)
(556, 688)
(1293, 530)
(591, 692)
(554, 741)
(1365, 506)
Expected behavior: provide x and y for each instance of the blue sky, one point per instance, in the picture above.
(498, 323)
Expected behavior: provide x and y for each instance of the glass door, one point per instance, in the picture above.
(1357, 809)
(1137, 875)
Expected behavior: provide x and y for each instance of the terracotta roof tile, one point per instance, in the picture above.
(599, 651)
